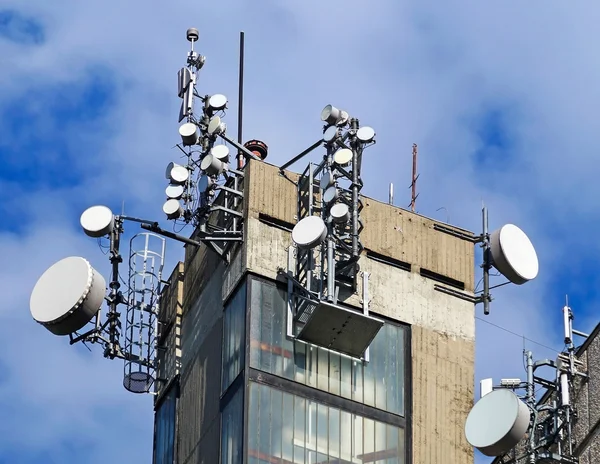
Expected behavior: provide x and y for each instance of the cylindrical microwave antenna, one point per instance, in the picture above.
(67, 296)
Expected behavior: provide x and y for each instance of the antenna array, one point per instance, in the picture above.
(327, 238)
(204, 191)
(549, 423)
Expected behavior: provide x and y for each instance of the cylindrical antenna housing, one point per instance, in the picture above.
(567, 324)
(564, 389)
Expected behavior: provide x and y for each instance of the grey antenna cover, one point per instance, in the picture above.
(97, 221)
(67, 295)
(309, 232)
(513, 254)
(497, 422)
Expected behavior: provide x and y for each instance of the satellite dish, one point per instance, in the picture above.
(177, 174)
(217, 102)
(365, 134)
(340, 213)
(215, 126)
(333, 115)
(330, 134)
(497, 422)
(173, 209)
(67, 296)
(513, 254)
(330, 195)
(204, 183)
(221, 152)
(188, 133)
(97, 221)
(212, 165)
(175, 191)
(343, 156)
(327, 179)
(309, 232)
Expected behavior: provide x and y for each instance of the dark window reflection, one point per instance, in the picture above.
(379, 383)
(233, 337)
(231, 436)
(165, 429)
(287, 429)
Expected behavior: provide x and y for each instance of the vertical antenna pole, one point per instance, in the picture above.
(486, 263)
(240, 157)
(113, 346)
(414, 178)
(531, 400)
(391, 194)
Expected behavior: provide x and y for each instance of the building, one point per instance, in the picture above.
(233, 388)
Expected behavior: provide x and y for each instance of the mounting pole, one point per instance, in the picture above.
(486, 262)
(530, 398)
(240, 156)
(414, 178)
(113, 347)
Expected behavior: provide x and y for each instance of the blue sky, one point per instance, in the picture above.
(500, 97)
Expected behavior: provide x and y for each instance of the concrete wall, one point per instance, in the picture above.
(443, 326)
(168, 353)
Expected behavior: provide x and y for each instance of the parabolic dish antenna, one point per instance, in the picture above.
(217, 102)
(497, 422)
(343, 156)
(215, 126)
(67, 296)
(365, 134)
(174, 191)
(330, 195)
(204, 183)
(221, 152)
(333, 115)
(97, 221)
(330, 134)
(173, 209)
(326, 180)
(340, 213)
(211, 165)
(309, 232)
(188, 133)
(513, 254)
(177, 174)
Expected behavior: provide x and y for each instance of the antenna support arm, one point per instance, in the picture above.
(153, 227)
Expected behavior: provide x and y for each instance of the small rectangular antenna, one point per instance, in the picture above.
(485, 386)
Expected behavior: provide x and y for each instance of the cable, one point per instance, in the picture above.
(518, 335)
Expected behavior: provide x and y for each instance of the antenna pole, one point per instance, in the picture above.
(240, 157)
(486, 262)
(530, 398)
(391, 194)
(113, 346)
(414, 177)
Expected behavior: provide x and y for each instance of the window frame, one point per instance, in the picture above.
(321, 396)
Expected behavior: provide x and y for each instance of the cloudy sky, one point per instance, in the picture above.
(499, 96)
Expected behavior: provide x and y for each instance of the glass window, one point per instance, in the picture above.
(287, 428)
(233, 336)
(379, 383)
(164, 445)
(231, 425)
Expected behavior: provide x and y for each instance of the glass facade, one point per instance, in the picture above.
(164, 435)
(232, 428)
(378, 383)
(290, 429)
(234, 346)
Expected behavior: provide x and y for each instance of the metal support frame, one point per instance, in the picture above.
(550, 437)
(314, 280)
